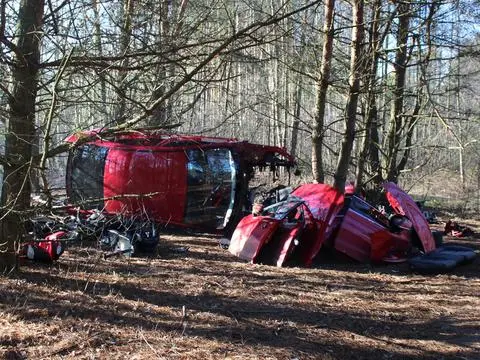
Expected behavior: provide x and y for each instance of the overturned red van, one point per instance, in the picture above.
(194, 181)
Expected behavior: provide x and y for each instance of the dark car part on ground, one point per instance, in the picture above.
(48, 236)
(130, 239)
(441, 260)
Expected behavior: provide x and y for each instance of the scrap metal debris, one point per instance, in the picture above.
(454, 229)
(317, 216)
(116, 235)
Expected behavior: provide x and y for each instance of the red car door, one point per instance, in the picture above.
(294, 216)
(250, 235)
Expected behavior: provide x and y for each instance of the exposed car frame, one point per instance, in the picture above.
(317, 215)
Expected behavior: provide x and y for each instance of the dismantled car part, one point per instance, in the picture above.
(317, 215)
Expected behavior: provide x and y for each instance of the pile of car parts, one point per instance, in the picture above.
(116, 235)
(315, 216)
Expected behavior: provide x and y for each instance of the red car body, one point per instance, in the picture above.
(179, 179)
(317, 215)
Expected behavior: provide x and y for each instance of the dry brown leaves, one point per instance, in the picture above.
(205, 304)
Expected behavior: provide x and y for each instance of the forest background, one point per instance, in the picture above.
(356, 90)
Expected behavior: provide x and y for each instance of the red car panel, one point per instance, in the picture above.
(251, 234)
(403, 204)
(316, 215)
(354, 236)
(150, 180)
(324, 203)
(280, 246)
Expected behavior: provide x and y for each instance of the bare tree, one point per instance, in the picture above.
(318, 123)
(20, 135)
(369, 148)
(400, 71)
(353, 95)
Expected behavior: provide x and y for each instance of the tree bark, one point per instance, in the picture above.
(370, 141)
(318, 124)
(20, 137)
(125, 38)
(400, 70)
(354, 89)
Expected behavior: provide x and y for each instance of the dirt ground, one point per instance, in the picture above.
(196, 301)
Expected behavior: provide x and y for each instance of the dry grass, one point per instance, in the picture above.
(205, 304)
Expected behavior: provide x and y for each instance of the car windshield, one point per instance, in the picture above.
(86, 170)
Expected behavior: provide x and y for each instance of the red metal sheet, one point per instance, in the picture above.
(285, 246)
(403, 204)
(251, 233)
(354, 236)
(154, 182)
(277, 250)
(324, 203)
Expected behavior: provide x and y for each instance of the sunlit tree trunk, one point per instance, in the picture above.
(369, 146)
(341, 171)
(400, 70)
(125, 38)
(318, 123)
(99, 47)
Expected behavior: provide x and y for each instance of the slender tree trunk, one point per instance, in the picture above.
(125, 38)
(20, 137)
(99, 47)
(296, 116)
(369, 146)
(412, 119)
(167, 30)
(400, 70)
(298, 94)
(354, 89)
(318, 124)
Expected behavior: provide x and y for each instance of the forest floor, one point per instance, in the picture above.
(196, 301)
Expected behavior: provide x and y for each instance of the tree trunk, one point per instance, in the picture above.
(411, 120)
(400, 70)
(20, 137)
(296, 116)
(99, 46)
(354, 88)
(298, 94)
(162, 114)
(125, 38)
(318, 124)
(369, 146)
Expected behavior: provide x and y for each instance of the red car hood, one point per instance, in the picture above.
(324, 202)
(404, 205)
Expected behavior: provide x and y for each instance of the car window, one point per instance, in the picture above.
(87, 167)
(211, 180)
